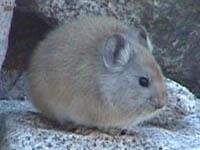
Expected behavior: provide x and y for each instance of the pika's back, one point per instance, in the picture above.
(78, 38)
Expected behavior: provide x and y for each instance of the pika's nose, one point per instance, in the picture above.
(157, 103)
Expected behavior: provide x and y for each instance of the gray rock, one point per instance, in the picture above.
(6, 11)
(2, 127)
(175, 29)
(58, 11)
(178, 127)
(174, 26)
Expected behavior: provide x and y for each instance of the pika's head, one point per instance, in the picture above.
(130, 78)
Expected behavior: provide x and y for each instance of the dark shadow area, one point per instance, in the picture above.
(26, 31)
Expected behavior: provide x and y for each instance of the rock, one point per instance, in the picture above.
(58, 11)
(173, 26)
(6, 11)
(12, 85)
(2, 128)
(27, 129)
(175, 29)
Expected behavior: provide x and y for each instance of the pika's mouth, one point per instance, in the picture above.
(150, 110)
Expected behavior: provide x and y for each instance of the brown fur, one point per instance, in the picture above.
(68, 81)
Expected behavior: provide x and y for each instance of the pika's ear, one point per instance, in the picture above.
(144, 38)
(116, 53)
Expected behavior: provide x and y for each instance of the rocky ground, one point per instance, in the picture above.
(177, 127)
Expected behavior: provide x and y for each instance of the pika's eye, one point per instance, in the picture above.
(143, 81)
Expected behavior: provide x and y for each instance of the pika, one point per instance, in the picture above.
(97, 72)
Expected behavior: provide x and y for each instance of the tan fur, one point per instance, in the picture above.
(66, 80)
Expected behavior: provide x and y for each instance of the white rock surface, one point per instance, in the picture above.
(177, 127)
